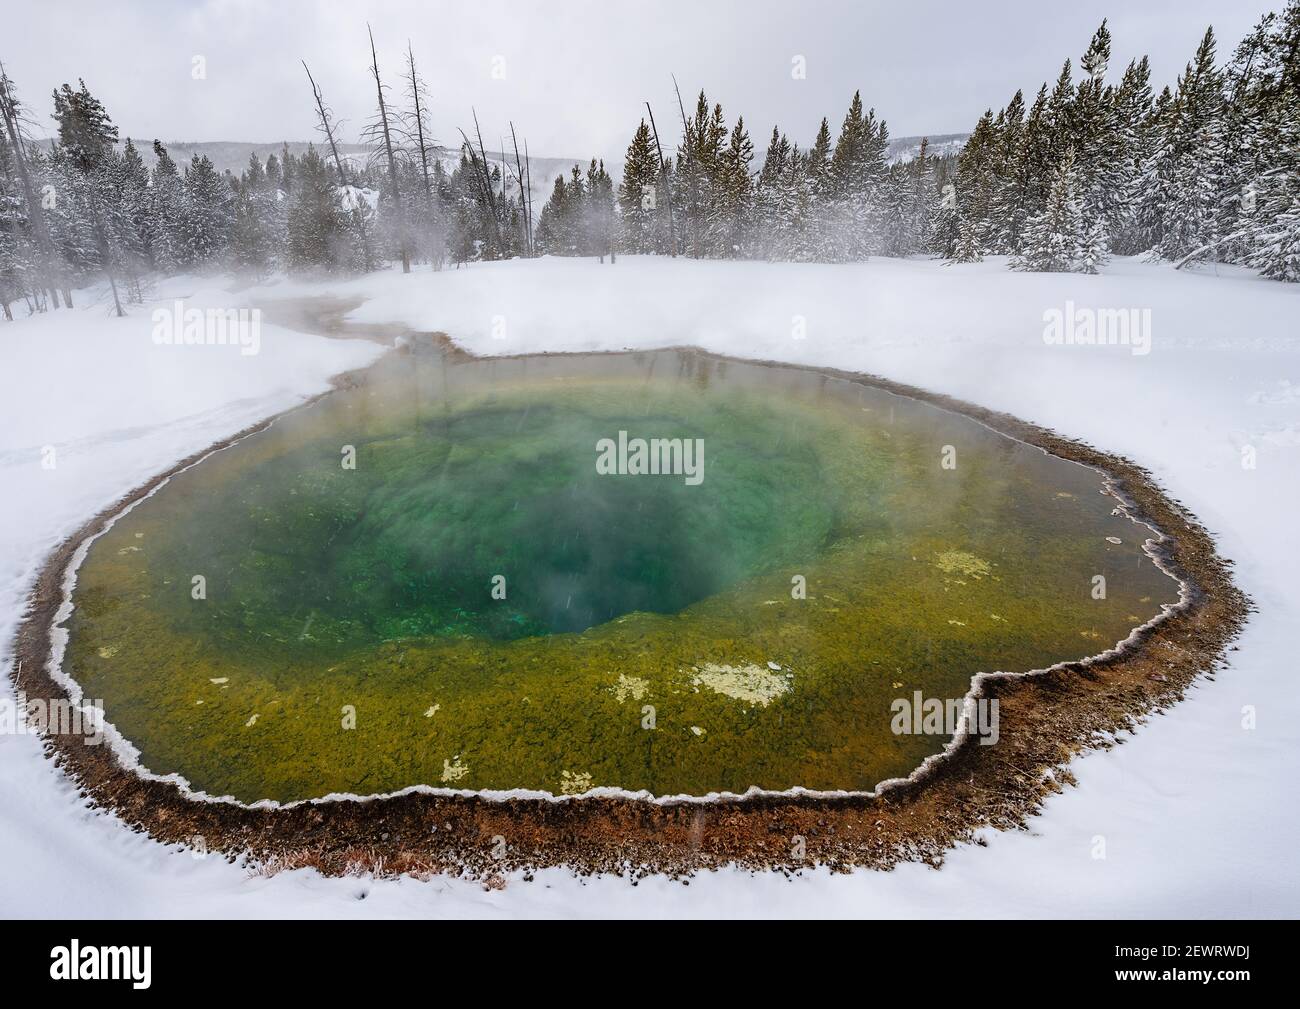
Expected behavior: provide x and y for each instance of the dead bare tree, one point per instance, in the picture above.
(325, 123)
(668, 185)
(692, 218)
(523, 193)
(485, 187)
(416, 91)
(381, 128)
(528, 180)
(485, 182)
(9, 111)
(415, 130)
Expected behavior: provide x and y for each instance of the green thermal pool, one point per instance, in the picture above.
(474, 605)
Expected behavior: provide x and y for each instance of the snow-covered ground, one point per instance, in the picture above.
(1197, 812)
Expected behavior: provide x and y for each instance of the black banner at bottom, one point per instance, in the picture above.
(237, 958)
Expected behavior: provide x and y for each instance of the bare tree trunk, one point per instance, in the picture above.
(419, 121)
(692, 216)
(484, 181)
(1198, 253)
(668, 185)
(392, 163)
(327, 128)
(528, 178)
(430, 204)
(523, 204)
(34, 214)
(487, 178)
(105, 254)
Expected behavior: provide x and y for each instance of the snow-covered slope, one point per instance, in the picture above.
(907, 148)
(232, 156)
(1196, 810)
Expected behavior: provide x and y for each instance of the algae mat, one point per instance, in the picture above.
(454, 575)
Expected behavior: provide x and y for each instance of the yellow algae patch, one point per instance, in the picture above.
(629, 686)
(958, 562)
(108, 652)
(454, 769)
(574, 784)
(745, 683)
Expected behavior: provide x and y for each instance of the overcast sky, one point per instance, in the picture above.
(573, 74)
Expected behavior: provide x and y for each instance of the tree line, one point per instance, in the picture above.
(1206, 169)
(1209, 168)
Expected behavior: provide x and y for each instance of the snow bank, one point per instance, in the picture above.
(1195, 810)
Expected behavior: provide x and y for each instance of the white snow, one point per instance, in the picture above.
(352, 197)
(1197, 813)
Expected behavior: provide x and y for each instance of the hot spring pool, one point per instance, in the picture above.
(425, 580)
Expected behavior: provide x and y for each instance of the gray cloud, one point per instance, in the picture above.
(577, 72)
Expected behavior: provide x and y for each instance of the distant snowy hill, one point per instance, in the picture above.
(232, 156)
(907, 148)
(900, 149)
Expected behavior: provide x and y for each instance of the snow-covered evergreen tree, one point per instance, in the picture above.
(206, 215)
(642, 201)
(1054, 237)
(1184, 178)
(318, 233)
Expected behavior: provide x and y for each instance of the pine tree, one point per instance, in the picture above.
(318, 236)
(1094, 246)
(730, 216)
(1053, 237)
(1134, 113)
(164, 209)
(1103, 177)
(255, 222)
(640, 193)
(597, 219)
(977, 181)
(967, 249)
(1272, 224)
(85, 151)
(698, 176)
(857, 172)
(771, 212)
(205, 216)
(1185, 175)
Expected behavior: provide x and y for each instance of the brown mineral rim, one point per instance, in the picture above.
(1046, 717)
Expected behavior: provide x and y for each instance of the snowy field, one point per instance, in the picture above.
(1198, 813)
